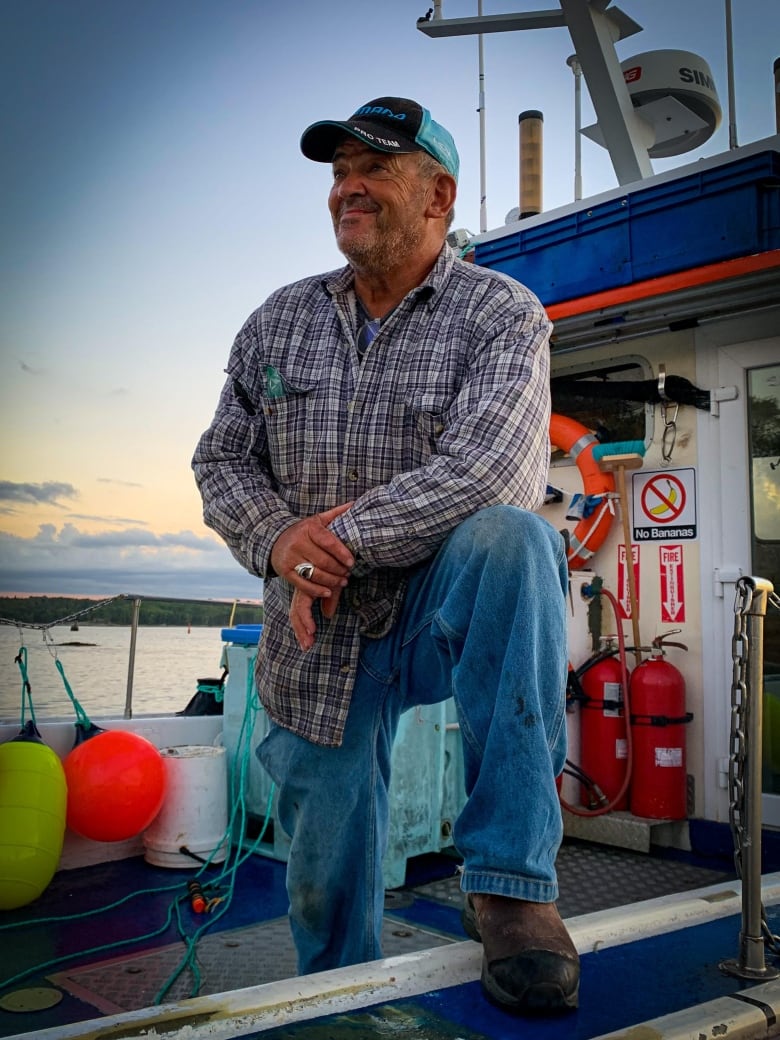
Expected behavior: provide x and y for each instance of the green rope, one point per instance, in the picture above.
(82, 719)
(21, 661)
(62, 918)
(229, 869)
(227, 874)
(56, 961)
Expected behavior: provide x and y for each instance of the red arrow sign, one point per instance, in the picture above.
(624, 598)
(672, 582)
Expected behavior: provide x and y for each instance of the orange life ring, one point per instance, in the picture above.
(578, 442)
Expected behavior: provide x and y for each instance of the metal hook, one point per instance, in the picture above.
(662, 383)
(670, 424)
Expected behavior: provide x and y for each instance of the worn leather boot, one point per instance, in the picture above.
(529, 963)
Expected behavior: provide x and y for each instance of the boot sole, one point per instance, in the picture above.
(537, 999)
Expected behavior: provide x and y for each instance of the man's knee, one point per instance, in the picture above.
(510, 528)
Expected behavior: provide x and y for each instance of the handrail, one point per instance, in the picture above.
(131, 658)
(745, 773)
(137, 600)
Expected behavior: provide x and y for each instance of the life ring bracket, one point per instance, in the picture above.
(591, 531)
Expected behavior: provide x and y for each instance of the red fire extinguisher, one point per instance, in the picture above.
(603, 738)
(658, 721)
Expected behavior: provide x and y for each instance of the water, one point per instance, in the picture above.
(168, 663)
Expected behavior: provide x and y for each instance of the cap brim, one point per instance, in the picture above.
(320, 140)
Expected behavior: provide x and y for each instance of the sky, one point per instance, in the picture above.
(153, 194)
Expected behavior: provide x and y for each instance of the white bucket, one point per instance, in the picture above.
(194, 814)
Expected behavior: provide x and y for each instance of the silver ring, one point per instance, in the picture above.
(305, 570)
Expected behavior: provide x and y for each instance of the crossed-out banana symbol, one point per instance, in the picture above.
(671, 499)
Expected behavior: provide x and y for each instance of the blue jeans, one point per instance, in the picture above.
(485, 623)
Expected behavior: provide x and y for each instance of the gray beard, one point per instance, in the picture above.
(385, 250)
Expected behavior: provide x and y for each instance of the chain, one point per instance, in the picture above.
(64, 620)
(740, 707)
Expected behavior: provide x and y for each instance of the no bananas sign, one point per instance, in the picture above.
(664, 505)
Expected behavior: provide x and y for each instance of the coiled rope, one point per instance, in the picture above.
(237, 856)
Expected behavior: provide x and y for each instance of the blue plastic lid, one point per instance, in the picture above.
(247, 635)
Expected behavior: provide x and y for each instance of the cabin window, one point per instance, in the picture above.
(609, 398)
(764, 438)
(764, 443)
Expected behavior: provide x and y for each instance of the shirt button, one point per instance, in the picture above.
(344, 669)
(352, 475)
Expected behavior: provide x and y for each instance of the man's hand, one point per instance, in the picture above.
(302, 618)
(310, 541)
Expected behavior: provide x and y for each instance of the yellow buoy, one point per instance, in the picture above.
(33, 802)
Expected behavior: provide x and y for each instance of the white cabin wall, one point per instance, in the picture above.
(677, 352)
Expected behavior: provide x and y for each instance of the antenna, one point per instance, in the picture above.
(730, 74)
(482, 174)
(594, 28)
(574, 64)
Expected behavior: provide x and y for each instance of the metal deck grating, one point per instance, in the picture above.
(226, 960)
(596, 877)
(423, 915)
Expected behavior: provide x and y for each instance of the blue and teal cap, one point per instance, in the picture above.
(389, 124)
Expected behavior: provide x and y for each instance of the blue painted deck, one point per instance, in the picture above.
(620, 986)
(130, 907)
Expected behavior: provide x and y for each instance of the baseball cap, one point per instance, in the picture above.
(389, 124)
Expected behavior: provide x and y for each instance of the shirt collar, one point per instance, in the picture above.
(337, 282)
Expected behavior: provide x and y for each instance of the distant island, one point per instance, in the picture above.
(44, 610)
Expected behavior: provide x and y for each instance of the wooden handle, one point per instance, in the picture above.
(632, 598)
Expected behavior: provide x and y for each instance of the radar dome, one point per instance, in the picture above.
(674, 92)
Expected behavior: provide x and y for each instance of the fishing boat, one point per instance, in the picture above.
(665, 297)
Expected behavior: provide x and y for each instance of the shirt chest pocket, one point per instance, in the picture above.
(290, 412)
(423, 423)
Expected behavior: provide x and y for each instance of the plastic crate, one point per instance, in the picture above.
(722, 212)
(243, 635)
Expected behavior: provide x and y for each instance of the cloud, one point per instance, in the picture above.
(121, 483)
(126, 520)
(49, 492)
(68, 561)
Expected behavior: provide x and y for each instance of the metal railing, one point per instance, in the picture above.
(137, 601)
(745, 767)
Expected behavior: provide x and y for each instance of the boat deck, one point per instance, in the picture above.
(108, 940)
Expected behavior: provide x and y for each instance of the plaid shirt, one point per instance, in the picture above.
(447, 413)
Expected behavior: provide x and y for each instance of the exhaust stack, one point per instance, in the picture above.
(530, 133)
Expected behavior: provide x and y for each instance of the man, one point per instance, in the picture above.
(376, 454)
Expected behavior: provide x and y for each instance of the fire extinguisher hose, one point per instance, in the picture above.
(602, 810)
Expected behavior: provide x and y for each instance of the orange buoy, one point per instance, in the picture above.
(33, 799)
(116, 785)
(578, 442)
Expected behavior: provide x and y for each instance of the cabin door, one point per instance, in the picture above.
(748, 486)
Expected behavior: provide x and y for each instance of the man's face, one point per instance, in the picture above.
(378, 203)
